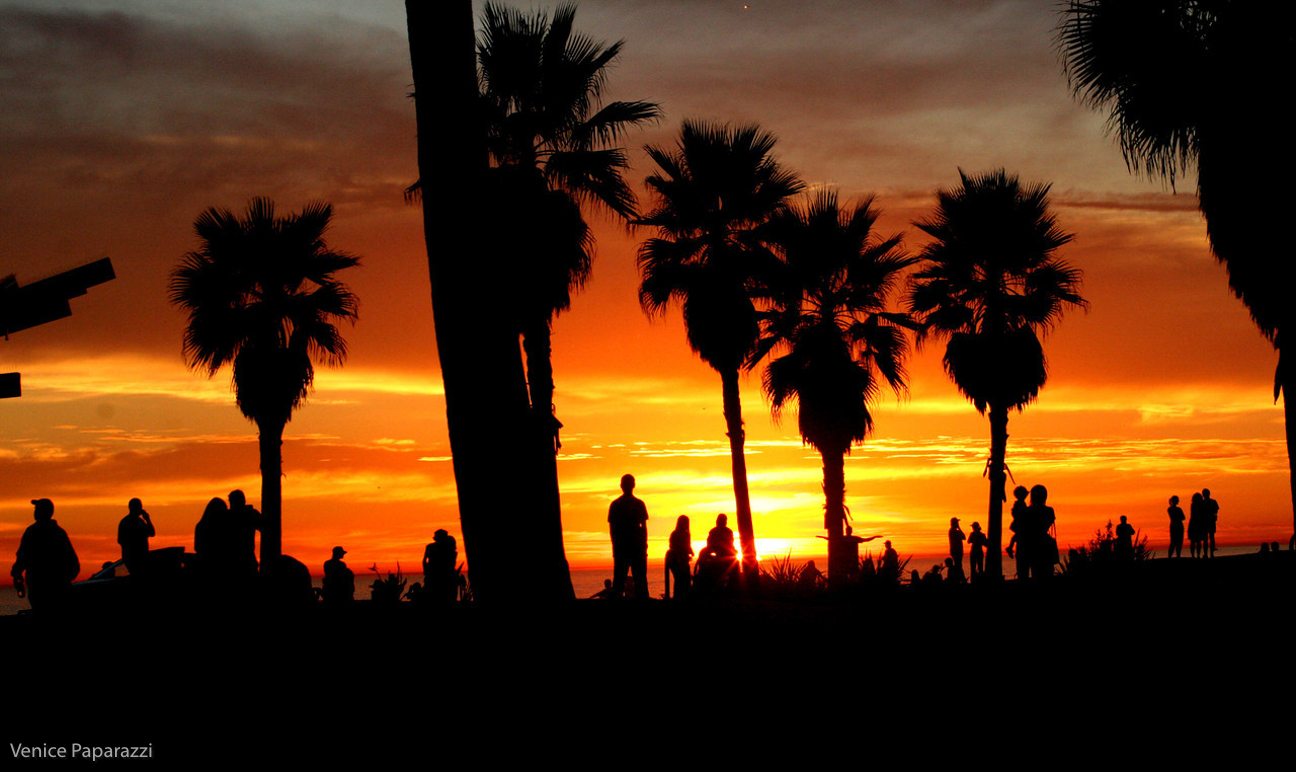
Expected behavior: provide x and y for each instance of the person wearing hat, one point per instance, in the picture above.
(956, 539)
(46, 562)
(133, 533)
(339, 581)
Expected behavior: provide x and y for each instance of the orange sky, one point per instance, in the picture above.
(121, 125)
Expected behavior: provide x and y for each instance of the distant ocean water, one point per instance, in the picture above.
(587, 581)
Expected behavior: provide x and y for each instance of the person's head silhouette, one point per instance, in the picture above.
(627, 482)
(1038, 496)
(44, 509)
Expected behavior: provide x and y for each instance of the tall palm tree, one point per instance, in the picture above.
(1177, 78)
(990, 282)
(262, 297)
(715, 194)
(830, 315)
(542, 85)
(481, 366)
(553, 147)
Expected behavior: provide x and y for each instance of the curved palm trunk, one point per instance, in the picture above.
(270, 448)
(998, 480)
(1286, 381)
(834, 487)
(737, 436)
(487, 407)
(548, 521)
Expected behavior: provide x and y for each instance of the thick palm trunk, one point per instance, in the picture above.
(487, 407)
(998, 481)
(270, 448)
(548, 530)
(834, 487)
(742, 502)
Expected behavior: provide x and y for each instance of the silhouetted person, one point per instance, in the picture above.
(628, 524)
(1042, 547)
(244, 522)
(890, 568)
(46, 562)
(954, 571)
(1210, 510)
(339, 581)
(440, 559)
(133, 533)
(605, 593)
(1125, 540)
(1196, 526)
(956, 539)
(977, 543)
(810, 576)
(679, 556)
(719, 559)
(1176, 528)
(1016, 546)
(851, 552)
(212, 540)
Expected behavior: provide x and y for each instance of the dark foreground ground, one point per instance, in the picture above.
(1176, 660)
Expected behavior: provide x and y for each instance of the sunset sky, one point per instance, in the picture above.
(123, 119)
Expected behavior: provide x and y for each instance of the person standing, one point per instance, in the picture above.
(440, 563)
(1210, 510)
(628, 524)
(1041, 547)
(339, 581)
(243, 523)
(956, 539)
(1196, 526)
(46, 562)
(678, 556)
(1125, 540)
(1176, 528)
(977, 542)
(133, 533)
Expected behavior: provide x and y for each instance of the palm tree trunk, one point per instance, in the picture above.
(834, 487)
(270, 447)
(487, 407)
(548, 520)
(1286, 378)
(998, 480)
(737, 436)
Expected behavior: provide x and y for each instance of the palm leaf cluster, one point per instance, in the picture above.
(715, 193)
(830, 313)
(990, 283)
(262, 297)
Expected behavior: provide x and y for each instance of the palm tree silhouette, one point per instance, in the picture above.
(1179, 81)
(715, 195)
(829, 313)
(541, 85)
(990, 282)
(262, 298)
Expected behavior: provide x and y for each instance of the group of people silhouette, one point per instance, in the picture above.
(716, 566)
(1203, 517)
(224, 556)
